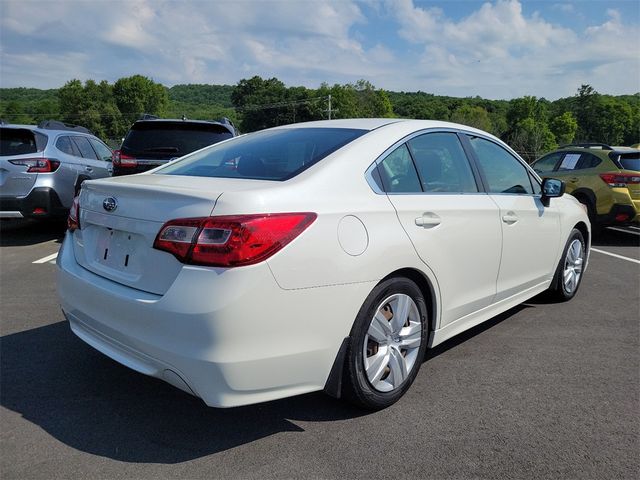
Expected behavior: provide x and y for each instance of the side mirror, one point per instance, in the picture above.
(551, 188)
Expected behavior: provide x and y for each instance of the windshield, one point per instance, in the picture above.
(267, 155)
(166, 139)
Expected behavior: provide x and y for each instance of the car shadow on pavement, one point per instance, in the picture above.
(22, 233)
(614, 238)
(95, 405)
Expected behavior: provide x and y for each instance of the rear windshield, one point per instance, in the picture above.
(266, 155)
(630, 161)
(165, 139)
(21, 141)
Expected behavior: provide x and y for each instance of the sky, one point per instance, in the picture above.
(498, 49)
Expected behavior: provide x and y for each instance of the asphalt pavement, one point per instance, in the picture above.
(542, 391)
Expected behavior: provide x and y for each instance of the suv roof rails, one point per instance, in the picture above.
(148, 116)
(57, 125)
(603, 146)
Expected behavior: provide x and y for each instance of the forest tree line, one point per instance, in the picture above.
(531, 125)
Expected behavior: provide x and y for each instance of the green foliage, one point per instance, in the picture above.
(472, 116)
(136, 95)
(530, 124)
(564, 127)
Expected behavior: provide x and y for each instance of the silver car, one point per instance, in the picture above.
(42, 167)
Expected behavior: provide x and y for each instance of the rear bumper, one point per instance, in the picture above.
(42, 202)
(231, 337)
(619, 215)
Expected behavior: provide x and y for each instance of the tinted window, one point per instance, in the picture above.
(442, 163)
(171, 139)
(65, 145)
(398, 173)
(503, 172)
(269, 155)
(588, 160)
(101, 149)
(85, 147)
(548, 163)
(630, 161)
(20, 141)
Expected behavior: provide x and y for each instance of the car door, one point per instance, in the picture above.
(93, 166)
(530, 231)
(453, 226)
(104, 154)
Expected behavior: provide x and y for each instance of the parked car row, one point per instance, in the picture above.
(43, 166)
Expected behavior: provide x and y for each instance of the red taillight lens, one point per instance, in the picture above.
(231, 241)
(620, 179)
(122, 159)
(38, 165)
(73, 221)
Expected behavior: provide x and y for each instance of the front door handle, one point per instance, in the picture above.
(428, 220)
(510, 218)
(88, 169)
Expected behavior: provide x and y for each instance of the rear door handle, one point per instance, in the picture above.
(428, 220)
(88, 169)
(574, 179)
(510, 218)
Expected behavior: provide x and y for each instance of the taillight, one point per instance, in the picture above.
(73, 221)
(620, 179)
(123, 160)
(38, 165)
(230, 241)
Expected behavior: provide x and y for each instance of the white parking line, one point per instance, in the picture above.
(624, 231)
(617, 256)
(48, 258)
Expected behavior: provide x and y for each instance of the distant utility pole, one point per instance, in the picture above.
(329, 110)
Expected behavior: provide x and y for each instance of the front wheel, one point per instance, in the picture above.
(388, 341)
(569, 271)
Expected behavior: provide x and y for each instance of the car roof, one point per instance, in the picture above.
(375, 123)
(44, 131)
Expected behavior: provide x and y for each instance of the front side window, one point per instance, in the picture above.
(398, 173)
(442, 163)
(503, 172)
(267, 155)
(548, 163)
(85, 148)
(101, 149)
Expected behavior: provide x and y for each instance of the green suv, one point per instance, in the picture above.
(605, 179)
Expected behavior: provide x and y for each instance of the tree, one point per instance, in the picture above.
(136, 95)
(564, 127)
(532, 138)
(472, 116)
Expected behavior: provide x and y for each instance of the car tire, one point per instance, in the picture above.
(383, 359)
(568, 275)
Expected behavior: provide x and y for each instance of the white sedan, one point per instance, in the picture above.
(318, 256)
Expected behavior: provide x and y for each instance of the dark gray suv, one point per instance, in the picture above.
(42, 167)
(152, 142)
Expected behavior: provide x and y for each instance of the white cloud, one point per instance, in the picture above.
(497, 51)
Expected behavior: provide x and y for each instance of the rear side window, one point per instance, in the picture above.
(442, 163)
(579, 161)
(85, 147)
(171, 139)
(21, 141)
(504, 172)
(397, 172)
(267, 155)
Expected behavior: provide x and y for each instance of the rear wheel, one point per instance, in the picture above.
(388, 341)
(569, 272)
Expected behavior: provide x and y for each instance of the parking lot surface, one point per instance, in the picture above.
(542, 391)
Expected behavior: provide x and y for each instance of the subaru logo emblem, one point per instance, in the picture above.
(109, 204)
